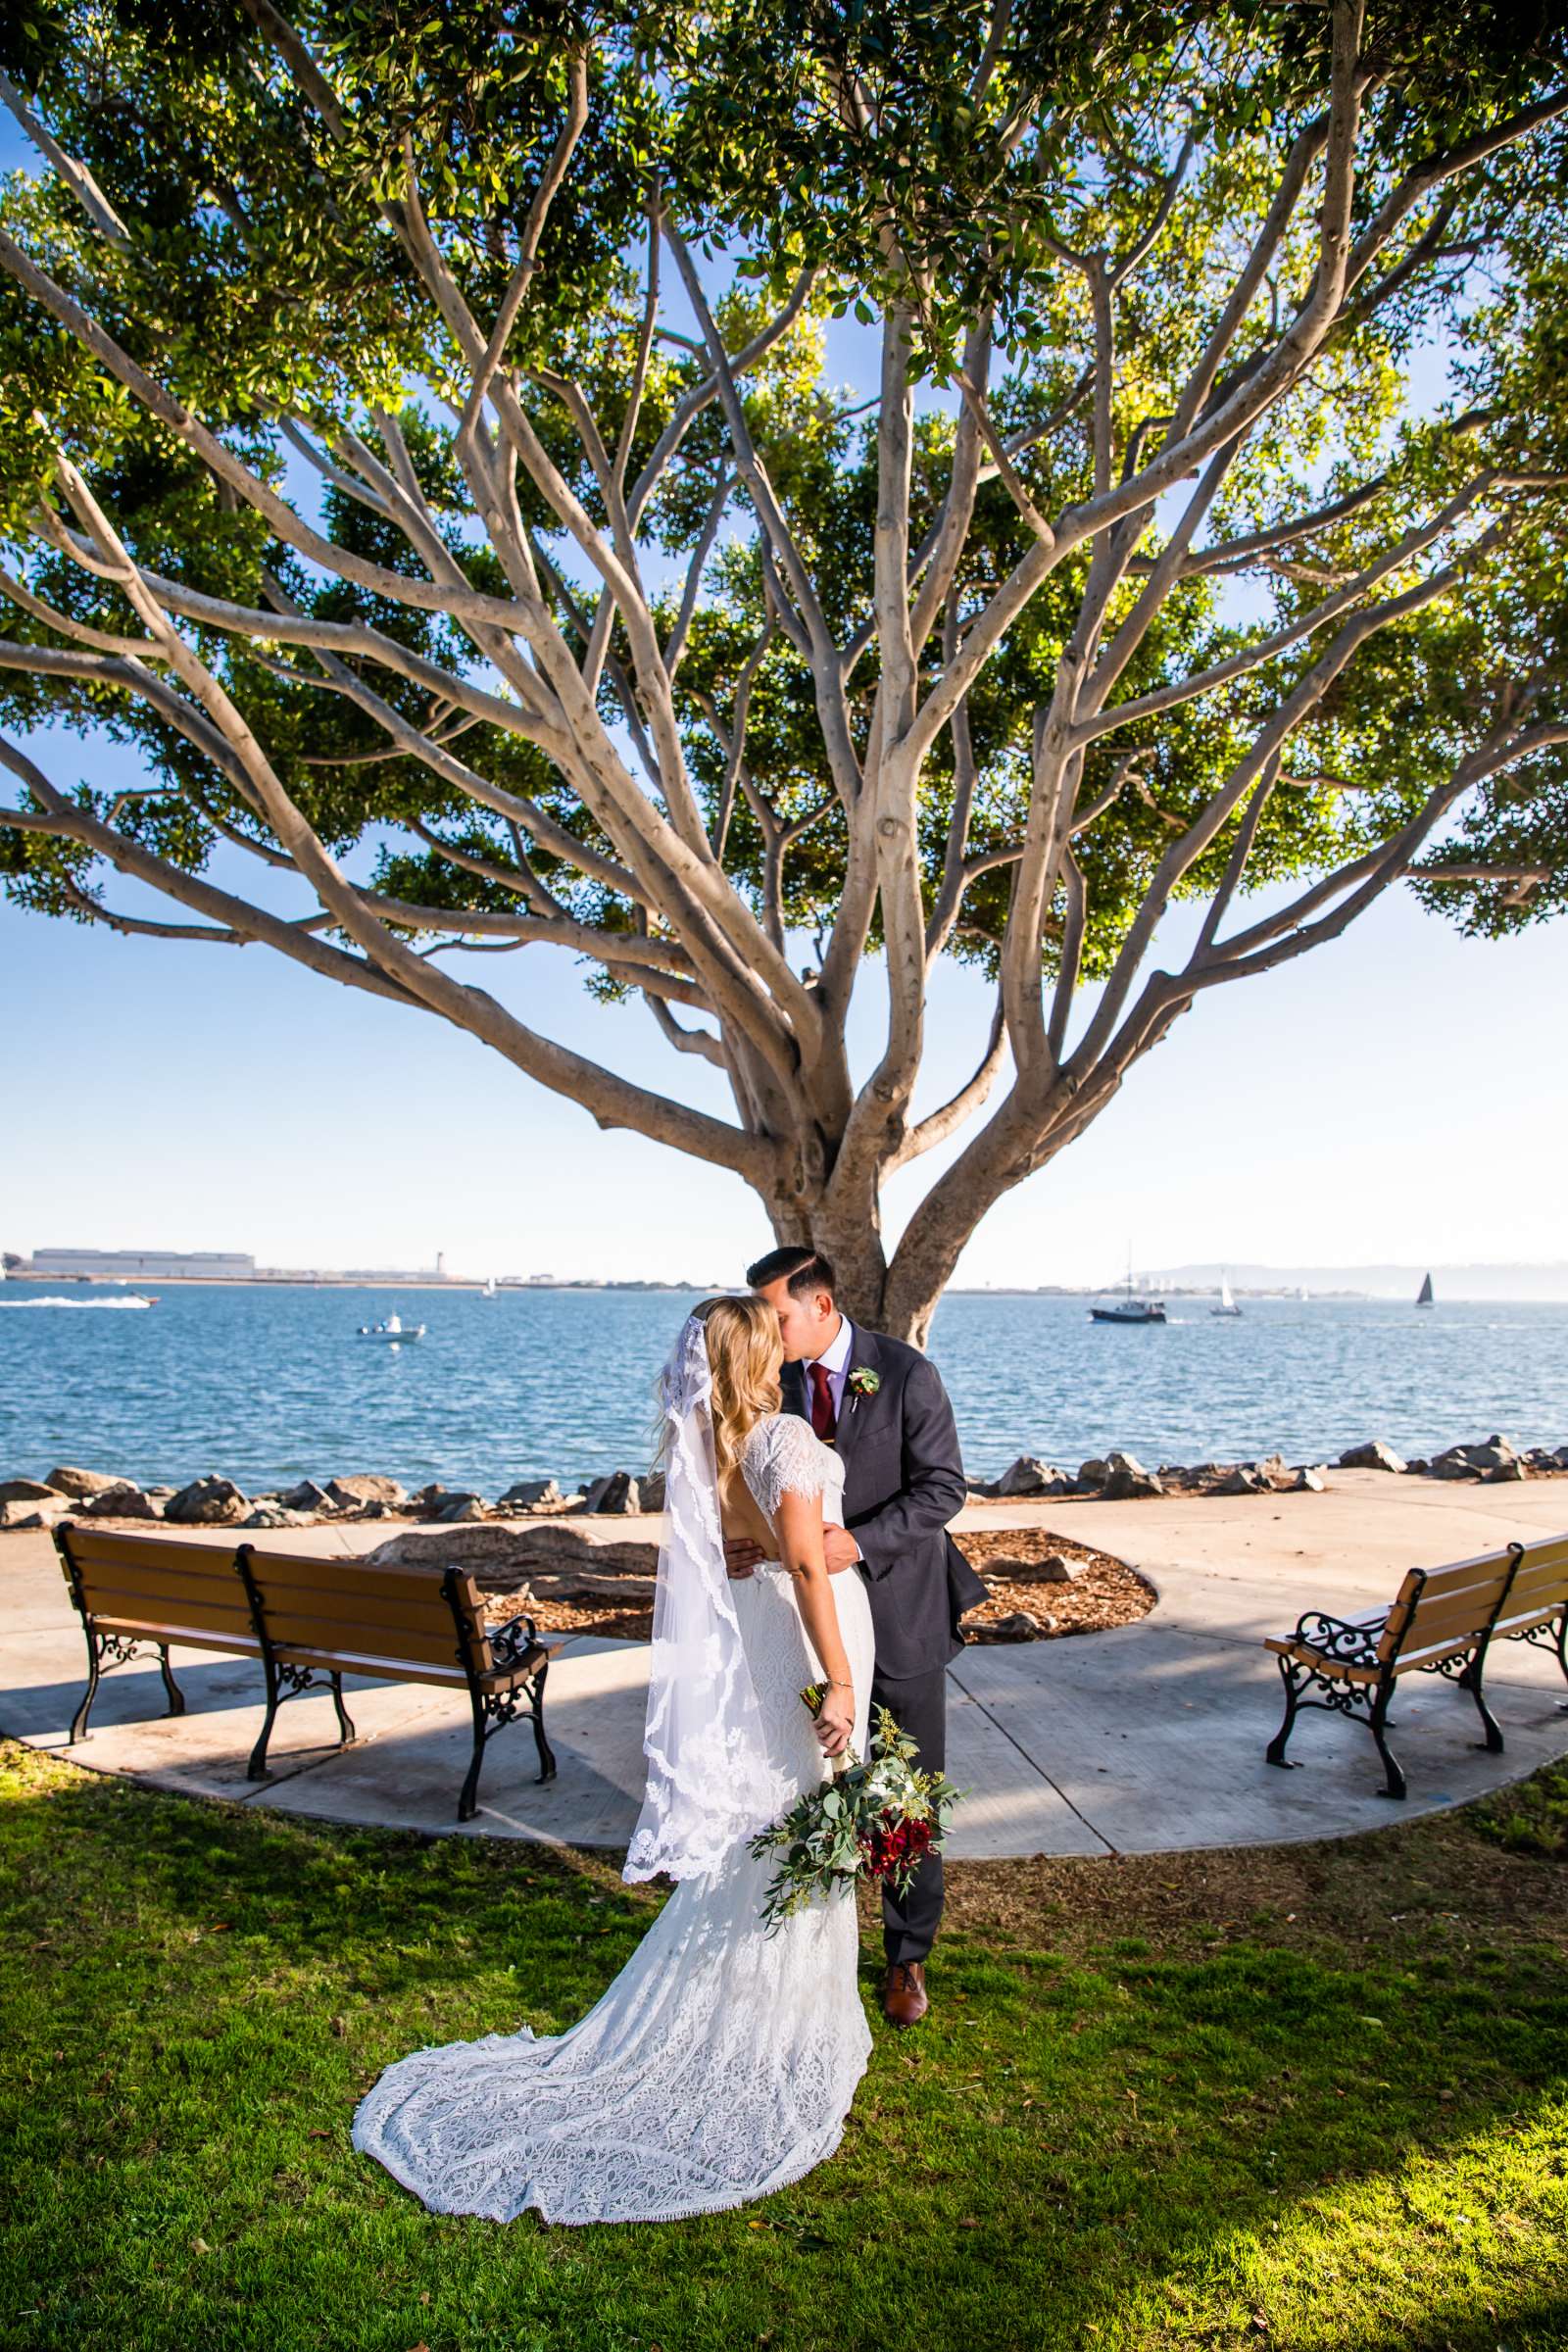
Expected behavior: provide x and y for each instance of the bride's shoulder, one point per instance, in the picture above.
(776, 1434)
(784, 1454)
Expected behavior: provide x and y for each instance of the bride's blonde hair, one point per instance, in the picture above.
(745, 1356)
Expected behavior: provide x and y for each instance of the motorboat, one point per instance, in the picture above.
(1128, 1308)
(1227, 1305)
(394, 1331)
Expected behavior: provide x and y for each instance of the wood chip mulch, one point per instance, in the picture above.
(1104, 1592)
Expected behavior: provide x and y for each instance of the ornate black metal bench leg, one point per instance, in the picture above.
(78, 1721)
(177, 1697)
(256, 1769)
(1394, 1778)
(1470, 1679)
(468, 1800)
(1291, 1674)
(345, 1722)
(547, 1755)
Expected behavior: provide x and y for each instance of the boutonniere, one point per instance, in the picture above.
(863, 1381)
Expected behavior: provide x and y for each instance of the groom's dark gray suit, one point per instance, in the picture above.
(903, 1481)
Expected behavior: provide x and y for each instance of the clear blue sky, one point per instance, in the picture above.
(1395, 1097)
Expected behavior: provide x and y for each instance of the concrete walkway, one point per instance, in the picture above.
(1143, 1740)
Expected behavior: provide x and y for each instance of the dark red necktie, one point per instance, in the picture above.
(824, 1420)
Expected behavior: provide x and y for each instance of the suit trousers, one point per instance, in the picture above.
(918, 1705)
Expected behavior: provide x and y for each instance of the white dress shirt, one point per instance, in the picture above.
(835, 1362)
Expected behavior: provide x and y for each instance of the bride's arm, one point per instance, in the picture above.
(798, 1523)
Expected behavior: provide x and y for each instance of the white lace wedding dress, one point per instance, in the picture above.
(721, 2062)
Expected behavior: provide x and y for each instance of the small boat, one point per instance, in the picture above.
(1227, 1305)
(1129, 1308)
(1424, 1296)
(490, 1291)
(393, 1331)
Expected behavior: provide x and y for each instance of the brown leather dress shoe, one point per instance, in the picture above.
(903, 1993)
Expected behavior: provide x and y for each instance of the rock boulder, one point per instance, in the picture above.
(35, 1514)
(533, 1495)
(306, 1496)
(24, 1512)
(1028, 1475)
(27, 1490)
(79, 1484)
(120, 1502)
(618, 1493)
(456, 1510)
(207, 1502)
(1019, 1625)
(503, 1557)
(1373, 1456)
(1128, 1480)
(1054, 1570)
(365, 1486)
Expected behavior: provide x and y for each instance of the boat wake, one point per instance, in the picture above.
(124, 1307)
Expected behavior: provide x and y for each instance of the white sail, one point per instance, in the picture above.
(1225, 1298)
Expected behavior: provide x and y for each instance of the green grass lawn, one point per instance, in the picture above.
(1303, 2096)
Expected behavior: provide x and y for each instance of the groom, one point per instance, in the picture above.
(883, 1408)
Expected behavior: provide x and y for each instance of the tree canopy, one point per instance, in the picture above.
(418, 442)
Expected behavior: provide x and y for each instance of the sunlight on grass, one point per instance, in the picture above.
(1114, 2131)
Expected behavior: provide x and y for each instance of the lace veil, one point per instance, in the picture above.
(711, 1781)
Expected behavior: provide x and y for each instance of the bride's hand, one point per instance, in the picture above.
(835, 1719)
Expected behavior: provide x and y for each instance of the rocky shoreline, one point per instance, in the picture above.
(213, 1501)
(1119, 1478)
(572, 1561)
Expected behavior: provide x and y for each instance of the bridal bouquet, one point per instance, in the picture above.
(878, 1820)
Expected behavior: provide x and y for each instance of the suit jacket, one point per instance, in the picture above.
(903, 1481)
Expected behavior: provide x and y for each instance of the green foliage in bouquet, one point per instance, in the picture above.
(878, 1819)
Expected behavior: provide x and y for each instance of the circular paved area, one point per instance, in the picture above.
(1149, 1738)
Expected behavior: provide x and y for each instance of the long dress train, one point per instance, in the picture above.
(721, 2062)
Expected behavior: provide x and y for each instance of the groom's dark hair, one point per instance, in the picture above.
(803, 1269)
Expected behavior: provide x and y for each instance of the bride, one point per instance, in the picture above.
(721, 2062)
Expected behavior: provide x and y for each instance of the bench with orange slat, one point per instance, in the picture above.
(303, 1619)
(1440, 1621)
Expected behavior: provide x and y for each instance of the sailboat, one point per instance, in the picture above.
(489, 1290)
(1227, 1305)
(1423, 1295)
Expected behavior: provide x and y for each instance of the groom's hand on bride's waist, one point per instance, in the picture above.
(741, 1554)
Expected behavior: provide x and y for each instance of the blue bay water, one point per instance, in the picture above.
(269, 1385)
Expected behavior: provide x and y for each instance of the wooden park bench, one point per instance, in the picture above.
(305, 1620)
(1440, 1621)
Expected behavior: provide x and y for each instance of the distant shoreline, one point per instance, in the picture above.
(476, 1284)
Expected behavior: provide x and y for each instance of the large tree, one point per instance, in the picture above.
(416, 442)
